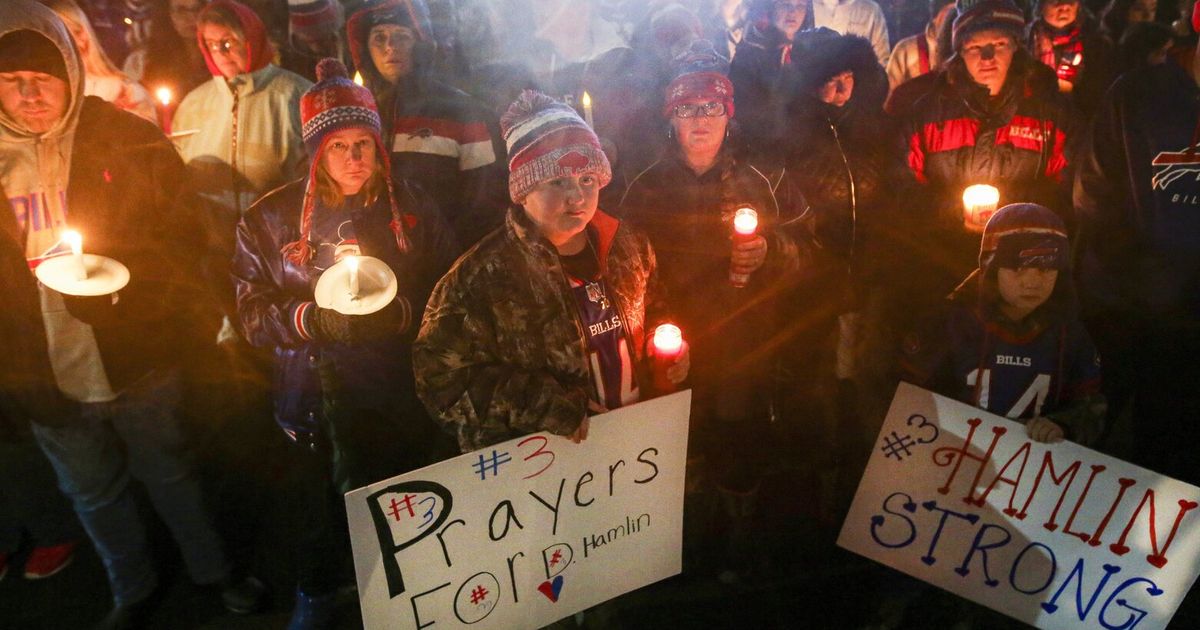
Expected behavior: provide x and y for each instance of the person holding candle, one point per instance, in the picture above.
(104, 79)
(687, 202)
(992, 116)
(1009, 339)
(1066, 38)
(246, 117)
(440, 137)
(546, 321)
(343, 383)
(99, 378)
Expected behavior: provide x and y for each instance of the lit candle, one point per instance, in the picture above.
(75, 240)
(745, 224)
(352, 263)
(668, 340)
(165, 109)
(979, 203)
(587, 110)
(668, 344)
(358, 80)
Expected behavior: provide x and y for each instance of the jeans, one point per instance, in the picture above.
(29, 501)
(139, 433)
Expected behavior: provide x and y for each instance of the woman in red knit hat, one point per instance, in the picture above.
(343, 384)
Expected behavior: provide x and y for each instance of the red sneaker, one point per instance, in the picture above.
(46, 561)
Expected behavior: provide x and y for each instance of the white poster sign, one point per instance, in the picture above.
(529, 531)
(1054, 535)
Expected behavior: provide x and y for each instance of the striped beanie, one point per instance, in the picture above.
(978, 15)
(546, 139)
(1024, 235)
(335, 103)
(700, 74)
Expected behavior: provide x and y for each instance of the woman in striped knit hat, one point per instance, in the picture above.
(343, 385)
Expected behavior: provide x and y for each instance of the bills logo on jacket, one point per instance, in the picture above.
(1175, 170)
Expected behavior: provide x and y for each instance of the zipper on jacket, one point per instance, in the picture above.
(853, 198)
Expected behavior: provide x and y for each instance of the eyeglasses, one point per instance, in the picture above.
(711, 109)
(223, 46)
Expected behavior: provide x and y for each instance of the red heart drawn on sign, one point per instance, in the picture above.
(552, 589)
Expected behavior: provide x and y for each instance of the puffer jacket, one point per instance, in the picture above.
(274, 294)
(501, 351)
(1020, 142)
(1080, 55)
(846, 174)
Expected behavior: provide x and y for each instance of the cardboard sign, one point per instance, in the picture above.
(523, 533)
(1054, 535)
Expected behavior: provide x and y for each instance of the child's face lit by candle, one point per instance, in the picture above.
(1023, 290)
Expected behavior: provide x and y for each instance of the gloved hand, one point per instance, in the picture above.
(95, 310)
(330, 325)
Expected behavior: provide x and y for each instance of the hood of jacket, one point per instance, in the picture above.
(827, 54)
(257, 45)
(26, 15)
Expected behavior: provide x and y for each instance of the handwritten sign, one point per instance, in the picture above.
(523, 533)
(1054, 535)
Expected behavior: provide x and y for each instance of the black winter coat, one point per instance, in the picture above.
(1138, 199)
(128, 195)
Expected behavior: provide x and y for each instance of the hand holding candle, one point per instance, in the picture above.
(979, 204)
(745, 228)
(671, 357)
(80, 274)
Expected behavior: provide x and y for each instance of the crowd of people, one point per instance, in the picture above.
(549, 183)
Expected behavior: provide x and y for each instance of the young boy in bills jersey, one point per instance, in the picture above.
(1009, 339)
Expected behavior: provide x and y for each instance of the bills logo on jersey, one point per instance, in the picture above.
(595, 293)
(1172, 167)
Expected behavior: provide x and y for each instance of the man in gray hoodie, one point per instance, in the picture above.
(98, 379)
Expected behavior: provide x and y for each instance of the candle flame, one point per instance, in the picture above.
(668, 339)
(75, 240)
(981, 195)
(352, 263)
(587, 99)
(358, 80)
(164, 95)
(745, 221)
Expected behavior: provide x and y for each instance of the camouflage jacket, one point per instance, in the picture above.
(501, 351)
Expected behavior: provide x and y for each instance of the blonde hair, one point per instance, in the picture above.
(95, 62)
(330, 194)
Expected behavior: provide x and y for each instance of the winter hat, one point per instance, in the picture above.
(411, 14)
(335, 103)
(674, 23)
(547, 139)
(1024, 235)
(977, 15)
(314, 18)
(700, 73)
(258, 47)
(30, 51)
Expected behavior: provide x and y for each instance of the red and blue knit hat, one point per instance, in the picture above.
(700, 74)
(1024, 235)
(316, 18)
(333, 104)
(546, 139)
(978, 15)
